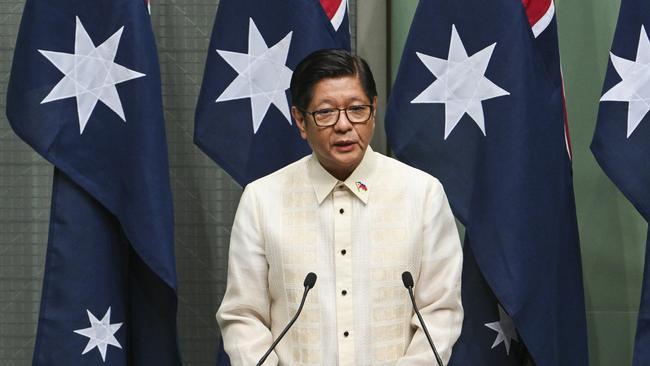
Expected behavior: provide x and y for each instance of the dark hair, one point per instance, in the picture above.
(325, 64)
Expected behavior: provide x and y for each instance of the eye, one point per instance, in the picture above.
(358, 113)
(357, 108)
(325, 113)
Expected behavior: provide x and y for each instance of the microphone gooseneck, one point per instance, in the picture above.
(407, 279)
(310, 281)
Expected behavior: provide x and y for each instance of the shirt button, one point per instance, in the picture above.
(346, 333)
(343, 252)
(341, 211)
(344, 292)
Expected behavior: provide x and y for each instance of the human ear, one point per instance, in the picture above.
(300, 121)
(374, 106)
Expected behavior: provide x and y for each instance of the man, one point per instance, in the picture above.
(358, 220)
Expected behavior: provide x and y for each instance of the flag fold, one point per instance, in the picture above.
(243, 120)
(621, 140)
(478, 103)
(85, 93)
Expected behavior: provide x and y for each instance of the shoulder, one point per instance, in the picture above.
(390, 168)
(417, 184)
(290, 176)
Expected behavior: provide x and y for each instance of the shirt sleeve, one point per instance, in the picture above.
(437, 288)
(244, 315)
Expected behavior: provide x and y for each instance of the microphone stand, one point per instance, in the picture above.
(408, 283)
(309, 283)
(426, 332)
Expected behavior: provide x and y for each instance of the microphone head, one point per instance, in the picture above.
(310, 280)
(407, 279)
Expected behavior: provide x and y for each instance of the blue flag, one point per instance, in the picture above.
(478, 103)
(621, 142)
(243, 119)
(85, 94)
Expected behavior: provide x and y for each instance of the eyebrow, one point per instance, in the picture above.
(351, 100)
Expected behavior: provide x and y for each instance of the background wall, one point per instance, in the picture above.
(612, 233)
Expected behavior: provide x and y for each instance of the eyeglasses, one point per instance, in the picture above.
(330, 116)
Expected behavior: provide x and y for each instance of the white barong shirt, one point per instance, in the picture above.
(358, 236)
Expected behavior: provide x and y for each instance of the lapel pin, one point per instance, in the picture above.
(361, 187)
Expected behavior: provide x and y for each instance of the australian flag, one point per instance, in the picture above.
(85, 94)
(478, 103)
(621, 142)
(243, 119)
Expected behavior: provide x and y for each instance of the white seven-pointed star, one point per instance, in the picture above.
(460, 83)
(263, 76)
(100, 334)
(634, 87)
(90, 74)
(505, 329)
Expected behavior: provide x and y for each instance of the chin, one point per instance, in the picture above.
(351, 160)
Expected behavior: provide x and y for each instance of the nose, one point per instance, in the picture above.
(343, 124)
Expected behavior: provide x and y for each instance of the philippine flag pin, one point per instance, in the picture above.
(361, 187)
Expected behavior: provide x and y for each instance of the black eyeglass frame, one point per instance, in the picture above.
(338, 116)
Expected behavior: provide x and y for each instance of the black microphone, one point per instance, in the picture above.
(310, 281)
(407, 279)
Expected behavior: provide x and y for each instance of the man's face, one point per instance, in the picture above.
(339, 148)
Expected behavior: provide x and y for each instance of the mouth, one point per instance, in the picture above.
(344, 145)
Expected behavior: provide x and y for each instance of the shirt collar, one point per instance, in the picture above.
(358, 182)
